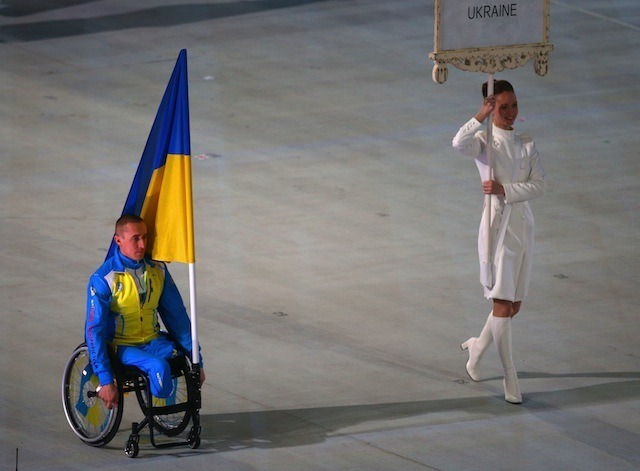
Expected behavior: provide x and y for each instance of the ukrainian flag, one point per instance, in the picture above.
(161, 191)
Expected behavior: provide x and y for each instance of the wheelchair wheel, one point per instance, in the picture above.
(169, 424)
(86, 413)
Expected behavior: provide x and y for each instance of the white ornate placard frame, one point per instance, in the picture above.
(489, 59)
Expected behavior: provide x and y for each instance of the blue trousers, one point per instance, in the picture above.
(152, 359)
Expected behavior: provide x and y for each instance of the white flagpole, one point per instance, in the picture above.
(195, 352)
(487, 198)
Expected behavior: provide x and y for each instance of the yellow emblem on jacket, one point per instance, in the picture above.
(136, 316)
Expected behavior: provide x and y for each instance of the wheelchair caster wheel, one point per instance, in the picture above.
(193, 441)
(131, 448)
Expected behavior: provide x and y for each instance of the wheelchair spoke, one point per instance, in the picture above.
(88, 416)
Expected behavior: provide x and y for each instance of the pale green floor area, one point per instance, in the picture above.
(336, 231)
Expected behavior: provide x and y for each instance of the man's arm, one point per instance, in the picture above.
(174, 314)
(175, 318)
(97, 318)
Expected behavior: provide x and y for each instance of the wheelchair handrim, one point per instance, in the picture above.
(88, 417)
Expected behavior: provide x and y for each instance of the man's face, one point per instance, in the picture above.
(132, 240)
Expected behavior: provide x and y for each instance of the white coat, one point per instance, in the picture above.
(517, 167)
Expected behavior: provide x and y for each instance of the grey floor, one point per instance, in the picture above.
(335, 227)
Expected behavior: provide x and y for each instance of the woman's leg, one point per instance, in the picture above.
(501, 330)
(504, 308)
(477, 346)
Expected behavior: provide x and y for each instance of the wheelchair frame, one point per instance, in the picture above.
(96, 425)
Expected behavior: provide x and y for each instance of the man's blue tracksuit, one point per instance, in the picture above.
(124, 300)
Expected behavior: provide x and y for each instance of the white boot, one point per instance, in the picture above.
(501, 328)
(477, 346)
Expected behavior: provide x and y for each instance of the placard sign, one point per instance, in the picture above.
(489, 36)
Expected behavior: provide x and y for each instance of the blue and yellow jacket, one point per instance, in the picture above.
(118, 315)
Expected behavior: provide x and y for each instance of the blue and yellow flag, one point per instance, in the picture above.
(161, 190)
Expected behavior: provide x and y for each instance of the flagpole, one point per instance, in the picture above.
(487, 198)
(195, 351)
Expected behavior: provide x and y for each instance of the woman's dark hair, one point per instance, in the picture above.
(499, 86)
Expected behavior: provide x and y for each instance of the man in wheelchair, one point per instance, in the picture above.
(125, 296)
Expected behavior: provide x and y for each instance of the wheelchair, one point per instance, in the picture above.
(96, 425)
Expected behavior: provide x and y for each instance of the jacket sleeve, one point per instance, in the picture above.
(97, 318)
(467, 140)
(174, 314)
(534, 184)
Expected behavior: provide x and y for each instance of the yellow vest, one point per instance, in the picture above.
(136, 320)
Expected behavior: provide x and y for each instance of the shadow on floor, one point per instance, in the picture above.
(163, 16)
(562, 410)
(17, 8)
(296, 427)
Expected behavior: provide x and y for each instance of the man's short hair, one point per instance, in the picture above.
(127, 219)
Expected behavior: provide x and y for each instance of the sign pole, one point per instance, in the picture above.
(487, 198)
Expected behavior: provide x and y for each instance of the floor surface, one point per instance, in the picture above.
(335, 231)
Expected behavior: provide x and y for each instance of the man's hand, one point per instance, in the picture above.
(201, 377)
(109, 394)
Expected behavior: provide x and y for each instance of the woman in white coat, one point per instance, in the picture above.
(505, 267)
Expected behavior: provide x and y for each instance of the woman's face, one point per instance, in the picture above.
(506, 110)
